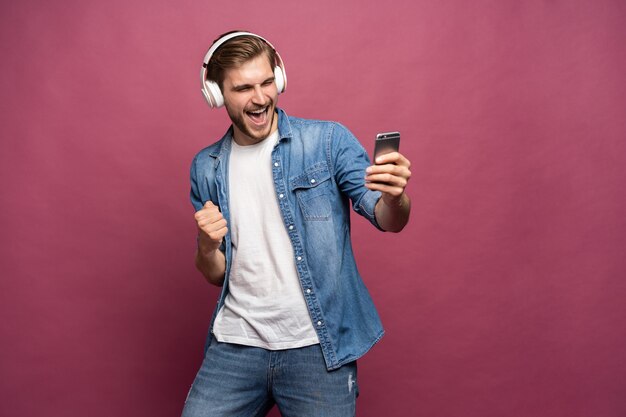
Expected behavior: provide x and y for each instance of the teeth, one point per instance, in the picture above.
(258, 111)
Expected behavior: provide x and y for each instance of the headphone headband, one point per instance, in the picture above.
(211, 90)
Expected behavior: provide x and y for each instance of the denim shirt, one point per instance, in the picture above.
(318, 168)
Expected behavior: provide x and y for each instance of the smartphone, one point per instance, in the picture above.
(386, 143)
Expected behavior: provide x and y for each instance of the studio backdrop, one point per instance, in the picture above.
(504, 295)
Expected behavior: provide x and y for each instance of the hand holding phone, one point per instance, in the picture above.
(390, 177)
(386, 143)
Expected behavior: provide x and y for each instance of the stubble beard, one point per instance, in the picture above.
(238, 119)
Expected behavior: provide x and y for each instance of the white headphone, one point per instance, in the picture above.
(211, 90)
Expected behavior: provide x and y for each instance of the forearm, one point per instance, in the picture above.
(212, 228)
(393, 214)
(212, 264)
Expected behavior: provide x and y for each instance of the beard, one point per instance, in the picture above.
(244, 125)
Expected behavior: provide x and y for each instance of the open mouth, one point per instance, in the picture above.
(258, 116)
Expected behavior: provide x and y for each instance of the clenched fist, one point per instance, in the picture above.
(212, 227)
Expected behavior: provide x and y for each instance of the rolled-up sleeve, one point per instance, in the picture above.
(194, 193)
(349, 161)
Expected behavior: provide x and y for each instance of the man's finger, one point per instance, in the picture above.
(208, 225)
(217, 235)
(385, 189)
(208, 209)
(399, 170)
(386, 178)
(393, 158)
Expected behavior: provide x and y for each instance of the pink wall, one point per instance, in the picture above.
(505, 294)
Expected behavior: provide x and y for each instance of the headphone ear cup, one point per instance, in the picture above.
(207, 97)
(215, 97)
(279, 78)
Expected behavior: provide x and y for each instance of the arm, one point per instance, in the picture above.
(211, 231)
(390, 176)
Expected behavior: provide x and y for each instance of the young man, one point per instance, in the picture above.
(274, 231)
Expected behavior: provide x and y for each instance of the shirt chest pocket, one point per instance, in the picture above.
(313, 191)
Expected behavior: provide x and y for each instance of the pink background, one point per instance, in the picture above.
(504, 296)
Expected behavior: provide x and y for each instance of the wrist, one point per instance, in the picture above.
(207, 247)
(395, 202)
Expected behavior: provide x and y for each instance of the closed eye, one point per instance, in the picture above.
(248, 87)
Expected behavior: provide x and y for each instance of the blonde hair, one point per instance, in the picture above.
(234, 53)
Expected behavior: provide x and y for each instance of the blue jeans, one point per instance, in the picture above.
(236, 380)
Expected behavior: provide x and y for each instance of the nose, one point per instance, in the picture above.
(259, 96)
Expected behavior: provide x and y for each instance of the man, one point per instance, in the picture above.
(273, 230)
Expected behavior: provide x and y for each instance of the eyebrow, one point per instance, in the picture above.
(244, 86)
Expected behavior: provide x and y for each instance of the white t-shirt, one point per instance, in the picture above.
(265, 306)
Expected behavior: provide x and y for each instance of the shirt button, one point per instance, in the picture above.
(312, 180)
(275, 164)
(308, 291)
(291, 227)
(281, 195)
(319, 323)
(299, 258)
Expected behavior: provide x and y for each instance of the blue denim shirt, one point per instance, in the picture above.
(317, 167)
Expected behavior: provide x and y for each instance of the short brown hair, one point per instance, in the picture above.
(234, 53)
